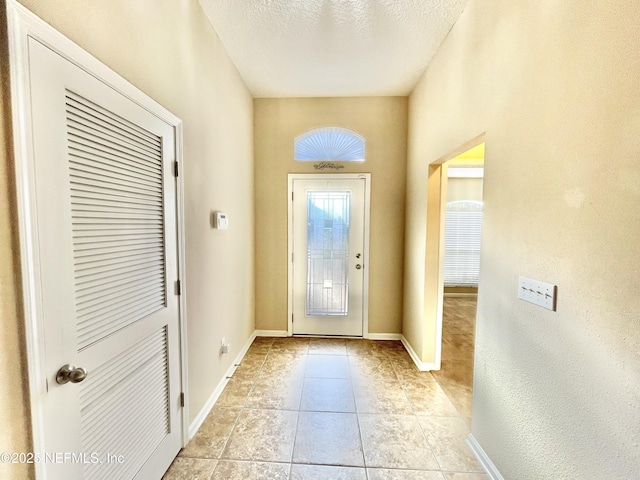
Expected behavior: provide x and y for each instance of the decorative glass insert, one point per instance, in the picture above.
(329, 144)
(328, 253)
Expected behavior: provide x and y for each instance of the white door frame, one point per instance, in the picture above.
(22, 25)
(365, 255)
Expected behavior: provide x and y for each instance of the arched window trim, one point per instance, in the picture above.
(335, 144)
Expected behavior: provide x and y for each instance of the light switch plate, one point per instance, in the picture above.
(538, 293)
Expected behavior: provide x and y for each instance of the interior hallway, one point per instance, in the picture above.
(318, 409)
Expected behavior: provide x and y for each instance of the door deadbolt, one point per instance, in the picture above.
(358, 266)
(358, 255)
(71, 373)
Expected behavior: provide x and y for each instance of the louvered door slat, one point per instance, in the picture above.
(92, 296)
(87, 241)
(97, 274)
(101, 422)
(114, 258)
(92, 119)
(92, 110)
(104, 321)
(88, 127)
(82, 148)
(98, 135)
(111, 422)
(88, 206)
(96, 255)
(85, 197)
(101, 157)
(83, 177)
(101, 147)
(101, 225)
(97, 305)
(114, 135)
(106, 172)
(95, 214)
(109, 378)
(126, 194)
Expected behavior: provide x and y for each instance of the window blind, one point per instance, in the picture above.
(462, 243)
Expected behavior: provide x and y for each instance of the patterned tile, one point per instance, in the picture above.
(190, 469)
(277, 394)
(212, 434)
(329, 439)
(327, 395)
(395, 441)
(387, 474)
(321, 472)
(288, 412)
(446, 436)
(262, 435)
(327, 366)
(234, 470)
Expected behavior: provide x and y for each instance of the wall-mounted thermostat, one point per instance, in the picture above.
(220, 221)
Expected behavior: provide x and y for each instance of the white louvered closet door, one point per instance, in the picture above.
(106, 222)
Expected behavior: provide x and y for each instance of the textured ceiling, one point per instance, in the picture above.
(326, 48)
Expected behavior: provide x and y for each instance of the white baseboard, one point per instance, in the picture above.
(197, 422)
(422, 366)
(483, 458)
(271, 333)
(384, 336)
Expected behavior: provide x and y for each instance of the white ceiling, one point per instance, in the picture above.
(328, 48)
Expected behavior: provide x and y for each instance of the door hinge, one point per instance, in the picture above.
(292, 318)
(178, 287)
(291, 257)
(176, 169)
(292, 196)
(182, 399)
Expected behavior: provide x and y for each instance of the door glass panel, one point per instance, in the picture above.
(327, 253)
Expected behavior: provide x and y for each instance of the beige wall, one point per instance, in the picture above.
(555, 85)
(170, 51)
(382, 121)
(464, 189)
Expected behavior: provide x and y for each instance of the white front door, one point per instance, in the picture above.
(328, 254)
(105, 203)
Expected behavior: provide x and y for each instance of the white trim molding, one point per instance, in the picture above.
(422, 366)
(483, 458)
(271, 333)
(384, 336)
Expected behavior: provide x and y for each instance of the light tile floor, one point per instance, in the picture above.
(300, 408)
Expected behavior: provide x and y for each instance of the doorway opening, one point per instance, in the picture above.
(460, 230)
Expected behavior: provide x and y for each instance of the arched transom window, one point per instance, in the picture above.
(329, 144)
